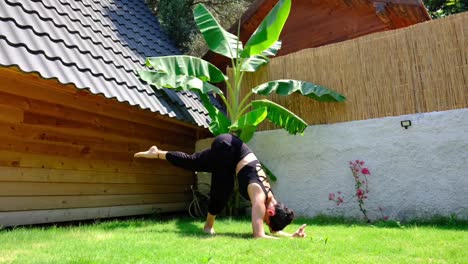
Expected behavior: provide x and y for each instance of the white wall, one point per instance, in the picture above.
(416, 172)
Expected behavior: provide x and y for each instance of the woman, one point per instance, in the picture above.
(227, 157)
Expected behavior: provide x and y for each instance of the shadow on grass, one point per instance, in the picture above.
(441, 222)
(187, 227)
(106, 223)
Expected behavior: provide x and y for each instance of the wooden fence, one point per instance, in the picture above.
(422, 68)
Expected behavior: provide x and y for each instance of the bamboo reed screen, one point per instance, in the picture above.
(422, 68)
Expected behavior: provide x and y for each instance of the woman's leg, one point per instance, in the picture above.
(199, 161)
(222, 179)
(222, 185)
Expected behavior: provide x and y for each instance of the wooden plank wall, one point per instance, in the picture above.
(422, 68)
(66, 154)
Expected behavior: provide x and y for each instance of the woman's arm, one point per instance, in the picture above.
(257, 197)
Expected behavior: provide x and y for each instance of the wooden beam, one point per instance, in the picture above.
(8, 219)
(170, 175)
(83, 138)
(52, 189)
(26, 160)
(27, 203)
(11, 114)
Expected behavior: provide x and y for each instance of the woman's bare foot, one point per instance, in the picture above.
(151, 153)
(209, 230)
(209, 223)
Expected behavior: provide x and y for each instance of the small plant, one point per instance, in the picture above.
(361, 187)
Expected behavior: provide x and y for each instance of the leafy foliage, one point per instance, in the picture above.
(218, 39)
(220, 123)
(442, 8)
(187, 66)
(177, 21)
(287, 87)
(248, 123)
(281, 116)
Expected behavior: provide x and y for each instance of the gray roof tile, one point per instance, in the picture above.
(95, 45)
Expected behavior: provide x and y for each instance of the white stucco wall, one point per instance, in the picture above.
(416, 172)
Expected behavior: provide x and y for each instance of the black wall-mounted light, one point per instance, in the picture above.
(406, 123)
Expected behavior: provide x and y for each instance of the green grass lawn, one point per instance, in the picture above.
(179, 240)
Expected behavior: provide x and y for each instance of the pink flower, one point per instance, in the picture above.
(339, 192)
(331, 196)
(363, 182)
(362, 162)
(365, 171)
(340, 200)
(359, 193)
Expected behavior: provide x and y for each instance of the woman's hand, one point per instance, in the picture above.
(151, 153)
(300, 232)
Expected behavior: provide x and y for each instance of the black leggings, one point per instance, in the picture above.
(221, 160)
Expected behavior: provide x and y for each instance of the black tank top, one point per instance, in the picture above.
(249, 174)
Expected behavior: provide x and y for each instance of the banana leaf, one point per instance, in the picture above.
(163, 80)
(281, 116)
(269, 30)
(253, 63)
(218, 39)
(247, 124)
(273, 49)
(219, 122)
(187, 65)
(287, 87)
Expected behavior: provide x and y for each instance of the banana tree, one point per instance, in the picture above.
(184, 72)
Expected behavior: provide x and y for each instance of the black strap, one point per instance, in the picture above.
(263, 179)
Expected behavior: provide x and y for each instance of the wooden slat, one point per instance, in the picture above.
(25, 160)
(49, 189)
(61, 150)
(7, 99)
(97, 129)
(11, 114)
(54, 150)
(8, 219)
(165, 175)
(100, 141)
(25, 203)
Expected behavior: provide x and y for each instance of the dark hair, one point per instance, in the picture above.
(283, 217)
